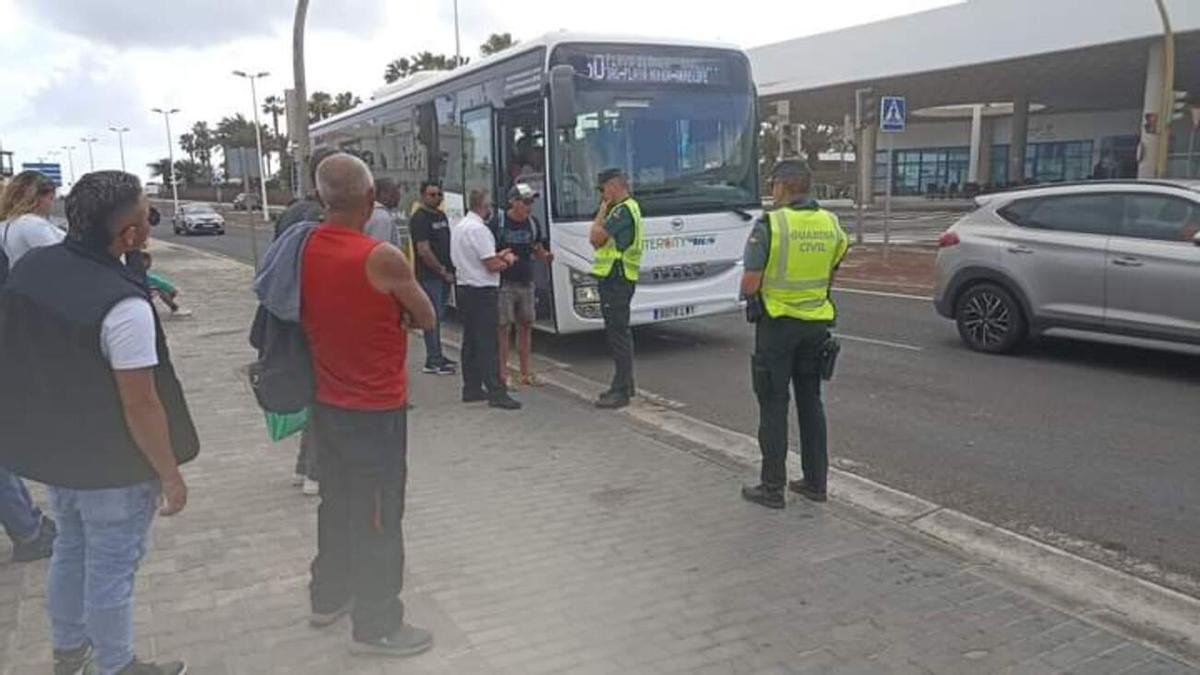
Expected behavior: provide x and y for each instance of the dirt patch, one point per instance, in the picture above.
(902, 270)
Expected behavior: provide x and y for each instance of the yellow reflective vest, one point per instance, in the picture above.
(631, 258)
(806, 246)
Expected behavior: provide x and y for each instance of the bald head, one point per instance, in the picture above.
(345, 185)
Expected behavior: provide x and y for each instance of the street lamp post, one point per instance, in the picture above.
(91, 159)
(120, 131)
(70, 160)
(301, 97)
(170, 159)
(262, 172)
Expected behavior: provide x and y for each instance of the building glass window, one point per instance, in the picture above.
(921, 171)
(1058, 162)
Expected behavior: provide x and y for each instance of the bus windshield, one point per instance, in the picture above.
(685, 150)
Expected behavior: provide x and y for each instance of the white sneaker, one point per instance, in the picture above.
(311, 488)
(298, 480)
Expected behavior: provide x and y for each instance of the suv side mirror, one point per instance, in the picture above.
(562, 96)
(1196, 239)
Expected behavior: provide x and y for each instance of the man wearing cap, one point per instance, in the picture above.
(618, 238)
(790, 261)
(516, 230)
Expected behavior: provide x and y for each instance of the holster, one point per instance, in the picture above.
(829, 356)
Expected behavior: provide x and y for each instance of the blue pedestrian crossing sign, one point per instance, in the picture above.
(893, 113)
(51, 171)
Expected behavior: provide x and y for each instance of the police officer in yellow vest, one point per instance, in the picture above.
(790, 261)
(618, 238)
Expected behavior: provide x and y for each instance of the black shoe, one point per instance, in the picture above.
(430, 370)
(73, 661)
(319, 619)
(612, 401)
(504, 402)
(764, 496)
(803, 489)
(406, 641)
(38, 548)
(449, 362)
(144, 668)
(446, 369)
(474, 396)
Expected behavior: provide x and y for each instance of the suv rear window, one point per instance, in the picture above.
(1086, 213)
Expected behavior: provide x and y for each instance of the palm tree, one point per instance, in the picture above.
(345, 101)
(497, 42)
(161, 169)
(320, 106)
(273, 106)
(187, 143)
(204, 144)
(403, 67)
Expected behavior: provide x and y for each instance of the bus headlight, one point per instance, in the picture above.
(586, 292)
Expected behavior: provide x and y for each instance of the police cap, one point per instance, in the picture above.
(791, 169)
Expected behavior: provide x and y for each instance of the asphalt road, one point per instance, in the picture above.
(1088, 446)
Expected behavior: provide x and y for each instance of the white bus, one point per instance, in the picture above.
(679, 118)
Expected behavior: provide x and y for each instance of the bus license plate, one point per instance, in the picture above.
(679, 312)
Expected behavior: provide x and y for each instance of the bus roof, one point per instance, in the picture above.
(549, 41)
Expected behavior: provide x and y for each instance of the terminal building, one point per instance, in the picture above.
(1001, 92)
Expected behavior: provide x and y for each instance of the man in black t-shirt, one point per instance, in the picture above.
(517, 230)
(430, 232)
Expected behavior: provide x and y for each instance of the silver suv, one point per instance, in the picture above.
(1117, 257)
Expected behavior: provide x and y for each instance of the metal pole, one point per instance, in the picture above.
(70, 160)
(457, 40)
(171, 160)
(1191, 152)
(1167, 104)
(91, 159)
(262, 169)
(887, 203)
(121, 145)
(858, 188)
(303, 150)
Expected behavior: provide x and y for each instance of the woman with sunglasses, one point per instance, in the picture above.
(25, 215)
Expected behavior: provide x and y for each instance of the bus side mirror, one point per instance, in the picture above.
(562, 96)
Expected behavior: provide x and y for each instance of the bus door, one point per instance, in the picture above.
(521, 131)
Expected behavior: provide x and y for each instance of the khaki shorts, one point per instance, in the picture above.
(516, 304)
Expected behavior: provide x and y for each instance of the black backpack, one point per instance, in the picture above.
(282, 377)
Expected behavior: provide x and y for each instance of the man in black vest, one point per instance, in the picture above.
(90, 406)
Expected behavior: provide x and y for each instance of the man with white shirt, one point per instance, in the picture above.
(478, 266)
(90, 406)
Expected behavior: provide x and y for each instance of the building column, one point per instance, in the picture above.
(1148, 144)
(976, 144)
(987, 138)
(866, 163)
(1019, 142)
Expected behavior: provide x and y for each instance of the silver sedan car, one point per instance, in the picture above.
(198, 219)
(1103, 257)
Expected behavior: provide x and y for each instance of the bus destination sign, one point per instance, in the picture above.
(658, 69)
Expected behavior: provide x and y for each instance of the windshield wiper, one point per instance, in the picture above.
(745, 215)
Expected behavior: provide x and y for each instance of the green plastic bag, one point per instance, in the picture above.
(281, 425)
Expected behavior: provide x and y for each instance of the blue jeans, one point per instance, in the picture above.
(437, 291)
(22, 520)
(102, 536)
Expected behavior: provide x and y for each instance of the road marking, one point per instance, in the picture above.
(882, 294)
(881, 343)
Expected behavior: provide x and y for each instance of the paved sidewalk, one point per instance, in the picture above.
(558, 539)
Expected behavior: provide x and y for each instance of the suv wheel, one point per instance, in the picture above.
(989, 319)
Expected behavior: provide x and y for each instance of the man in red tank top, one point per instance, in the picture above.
(357, 295)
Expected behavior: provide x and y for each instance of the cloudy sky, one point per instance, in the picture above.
(72, 68)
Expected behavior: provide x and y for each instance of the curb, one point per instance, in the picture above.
(1142, 610)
